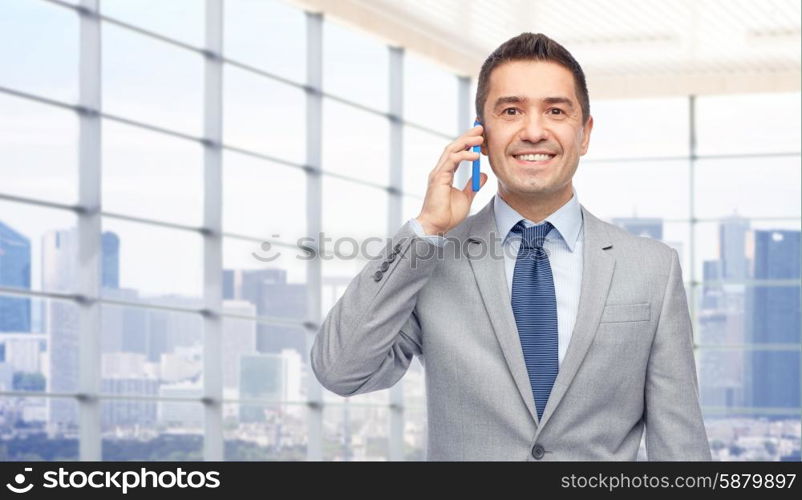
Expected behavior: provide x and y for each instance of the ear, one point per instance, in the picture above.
(484, 135)
(586, 130)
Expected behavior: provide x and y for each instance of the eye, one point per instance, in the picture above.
(509, 109)
(558, 109)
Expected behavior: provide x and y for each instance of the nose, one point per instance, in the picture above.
(533, 129)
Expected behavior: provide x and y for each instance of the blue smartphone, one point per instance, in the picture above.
(476, 163)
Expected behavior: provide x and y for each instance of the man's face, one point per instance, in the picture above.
(532, 107)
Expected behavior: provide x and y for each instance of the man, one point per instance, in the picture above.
(545, 333)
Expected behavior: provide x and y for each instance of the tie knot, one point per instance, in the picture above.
(534, 236)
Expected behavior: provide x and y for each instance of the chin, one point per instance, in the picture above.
(526, 189)
(530, 184)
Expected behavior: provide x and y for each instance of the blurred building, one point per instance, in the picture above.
(15, 271)
(775, 319)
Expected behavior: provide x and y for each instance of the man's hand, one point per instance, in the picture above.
(445, 206)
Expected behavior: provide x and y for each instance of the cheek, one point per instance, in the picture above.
(494, 149)
(579, 136)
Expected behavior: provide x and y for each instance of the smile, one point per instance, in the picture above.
(533, 159)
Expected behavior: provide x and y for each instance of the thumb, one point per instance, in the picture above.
(468, 189)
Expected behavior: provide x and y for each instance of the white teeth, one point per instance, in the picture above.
(536, 157)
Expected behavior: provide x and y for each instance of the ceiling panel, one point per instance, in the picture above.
(626, 47)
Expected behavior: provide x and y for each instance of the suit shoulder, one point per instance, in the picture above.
(461, 231)
(642, 247)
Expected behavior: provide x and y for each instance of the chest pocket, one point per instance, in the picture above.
(625, 313)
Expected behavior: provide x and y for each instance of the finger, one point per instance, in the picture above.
(476, 143)
(455, 159)
(469, 135)
(462, 143)
(445, 171)
(466, 142)
(468, 189)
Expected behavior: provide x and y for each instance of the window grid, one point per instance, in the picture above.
(89, 230)
(212, 241)
(89, 395)
(314, 218)
(396, 107)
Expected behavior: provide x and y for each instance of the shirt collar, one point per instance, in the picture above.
(567, 220)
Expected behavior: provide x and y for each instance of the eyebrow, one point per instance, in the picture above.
(516, 99)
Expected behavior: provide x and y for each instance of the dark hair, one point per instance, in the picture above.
(537, 47)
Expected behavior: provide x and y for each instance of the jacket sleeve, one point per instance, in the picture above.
(675, 427)
(434, 239)
(370, 336)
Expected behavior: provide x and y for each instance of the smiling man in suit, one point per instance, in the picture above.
(544, 332)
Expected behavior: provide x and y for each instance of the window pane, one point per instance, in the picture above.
(263, 115)
(642, 189)
(18, 314)
(263, 199)
(145, 349)
(260, 360)
(769, 187)
(267, 34)
(737, 248)
(415, 423)
(355, 433)
(422, 151)
(39, 49)
(264, 280)
(353, 210)
(273, 374)
(410, 207)
(183, 20)
(156, 264)
(151, 175)
(632, 128)
(38, 344)
(39, 248)
(151, 81)
(153, 430)
(749, 379)
(355, 66)
(430, 95)
(32, 432)
(265, 432)
(754, 123)
(356, 143)
(740, 314)
(38, 150)
(62, 322)
(744, 437)
(471, 105)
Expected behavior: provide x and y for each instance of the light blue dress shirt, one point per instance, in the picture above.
(564, 247)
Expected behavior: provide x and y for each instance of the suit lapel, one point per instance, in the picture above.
(486, 260)
(485, 254)
(597, 272)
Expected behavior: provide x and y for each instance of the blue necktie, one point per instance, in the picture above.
(534, 304)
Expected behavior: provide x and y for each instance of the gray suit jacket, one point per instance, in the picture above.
(629, 363)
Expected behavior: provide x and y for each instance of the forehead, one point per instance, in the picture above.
(533, 79)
